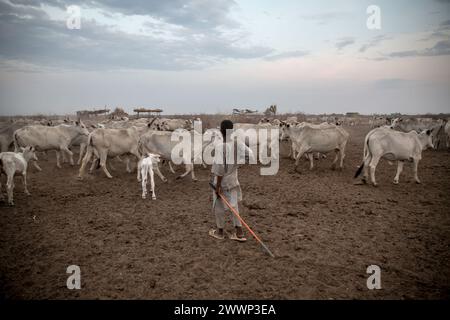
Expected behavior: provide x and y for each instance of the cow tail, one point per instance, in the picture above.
(87, 156)
(16, 142)
(366, 154)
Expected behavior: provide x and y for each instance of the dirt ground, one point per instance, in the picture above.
(323, 230)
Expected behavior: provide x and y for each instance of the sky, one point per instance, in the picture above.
(199, 56)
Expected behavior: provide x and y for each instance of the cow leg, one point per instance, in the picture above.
(170, 167)
(399, 170)
(366, 168)
(333, 165)
(10, 188)
(25, 186)
(86, 159)
(58, 156)
(103, 157)
(193, 173)
(158, 172)
(64, 158)
(70, 153)
(311, 160)
(188, 170)
(298, 156)
(342, 153)
(82, 151)
(94, 164)
(152, 184)
(372, 167)
(127, 161)
(36, 165)
(144, 183)
(415, 166)
(139, 166)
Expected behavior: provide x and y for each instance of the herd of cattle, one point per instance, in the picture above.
(148, 142)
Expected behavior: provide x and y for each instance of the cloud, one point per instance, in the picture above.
(344, 42)
(198, 14)
(29, 36)
(441, 32)
(373, 42)
(441, 48)
(286, 55)
(325, 18)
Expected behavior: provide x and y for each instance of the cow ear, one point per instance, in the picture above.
(428, 132)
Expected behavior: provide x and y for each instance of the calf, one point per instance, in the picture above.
(11, 164)
(145, 169)
(393, 146)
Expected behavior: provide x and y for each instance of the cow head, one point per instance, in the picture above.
(426, 139)
(81, 128)
(154, 157)
(29, 153)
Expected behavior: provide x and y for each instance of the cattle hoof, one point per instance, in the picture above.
(28, 194)
(143, 197)
(375, 184)
(153, 198)
(418, 182)
(395, 181)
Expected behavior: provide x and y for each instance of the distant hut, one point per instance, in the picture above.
(148, 112)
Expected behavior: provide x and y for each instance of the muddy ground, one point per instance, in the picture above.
(323, 229)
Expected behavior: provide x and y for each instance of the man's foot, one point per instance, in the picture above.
(218, 234)
(238, 235)
(238, 238)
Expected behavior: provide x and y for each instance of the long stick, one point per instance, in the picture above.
(242, 221)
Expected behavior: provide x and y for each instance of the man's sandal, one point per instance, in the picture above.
(213, 233)
(236, 238)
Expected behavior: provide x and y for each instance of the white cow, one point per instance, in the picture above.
(323, 125)
(393, 146)
(174, 124)
(12, 164)
(307, 139)
(160, 142)
(416, 124)
(44, 138)
(104, 143)
(7, 135)
(145, 170)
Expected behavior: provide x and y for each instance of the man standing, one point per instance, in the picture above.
(225, 173)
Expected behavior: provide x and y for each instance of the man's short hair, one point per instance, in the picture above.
(224, 126)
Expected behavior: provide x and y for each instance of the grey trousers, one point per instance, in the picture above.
(219, 208)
